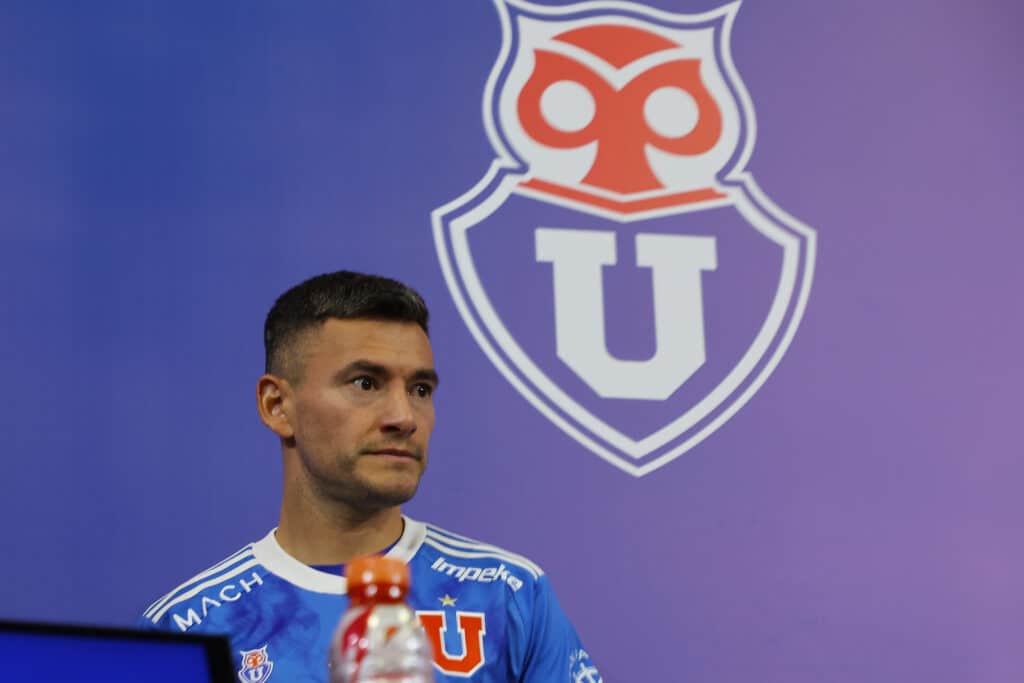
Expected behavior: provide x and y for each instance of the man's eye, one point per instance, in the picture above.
(364, 383)
(423, 390)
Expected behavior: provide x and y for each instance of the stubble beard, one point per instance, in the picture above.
(365, 492)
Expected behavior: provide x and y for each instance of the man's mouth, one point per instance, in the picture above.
(396, 452)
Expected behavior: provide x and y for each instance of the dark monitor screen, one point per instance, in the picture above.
(44, 653)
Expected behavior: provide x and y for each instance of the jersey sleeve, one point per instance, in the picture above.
(144, 624)
(553, 652)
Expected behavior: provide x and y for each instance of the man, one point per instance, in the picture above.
(348, 390)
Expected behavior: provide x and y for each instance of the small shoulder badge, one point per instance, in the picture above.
(583, 671)
(256, 666)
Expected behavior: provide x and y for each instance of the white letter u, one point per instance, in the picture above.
(676, 262)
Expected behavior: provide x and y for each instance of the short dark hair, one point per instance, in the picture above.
(344, 295)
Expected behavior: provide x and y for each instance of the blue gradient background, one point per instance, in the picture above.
(169, 168)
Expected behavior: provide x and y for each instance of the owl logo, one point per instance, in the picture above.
(256, 666)
(614, 116)
(617, 262)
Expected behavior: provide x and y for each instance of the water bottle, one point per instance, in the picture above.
(379, 639)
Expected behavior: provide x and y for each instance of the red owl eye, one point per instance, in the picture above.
(671, 112)
(567, 106)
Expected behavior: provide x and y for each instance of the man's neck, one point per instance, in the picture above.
(317, 538)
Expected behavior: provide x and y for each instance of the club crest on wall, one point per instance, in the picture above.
(617, 263)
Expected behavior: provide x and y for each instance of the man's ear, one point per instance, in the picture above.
(273, 398)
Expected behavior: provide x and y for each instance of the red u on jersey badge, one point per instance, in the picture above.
(471, 628)
(617, 262)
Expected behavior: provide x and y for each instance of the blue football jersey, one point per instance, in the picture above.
(490, 614)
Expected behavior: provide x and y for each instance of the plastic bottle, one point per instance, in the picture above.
(379, 639)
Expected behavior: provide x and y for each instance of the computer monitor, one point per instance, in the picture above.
(48, 653)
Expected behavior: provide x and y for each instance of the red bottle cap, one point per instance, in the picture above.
(377, 579)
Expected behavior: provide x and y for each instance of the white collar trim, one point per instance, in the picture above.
(271, 555)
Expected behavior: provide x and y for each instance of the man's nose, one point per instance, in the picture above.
(398, 416)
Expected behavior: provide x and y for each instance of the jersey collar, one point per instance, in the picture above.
(271, 555)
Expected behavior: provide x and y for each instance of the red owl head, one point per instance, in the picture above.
(617, 109)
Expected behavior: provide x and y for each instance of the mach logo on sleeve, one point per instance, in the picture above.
(617, 262)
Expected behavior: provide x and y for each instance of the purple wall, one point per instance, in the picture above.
(171, 168)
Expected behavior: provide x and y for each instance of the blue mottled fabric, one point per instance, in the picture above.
(491, 614)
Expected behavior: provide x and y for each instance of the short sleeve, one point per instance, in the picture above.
(554, 652)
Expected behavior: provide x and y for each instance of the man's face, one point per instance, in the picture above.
(362, 410)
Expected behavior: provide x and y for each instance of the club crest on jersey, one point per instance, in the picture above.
(457, 638)
(583, 670)
(256, 666)
(617, 262)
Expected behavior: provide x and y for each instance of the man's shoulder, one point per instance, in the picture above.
(189, 603)
(468, 560)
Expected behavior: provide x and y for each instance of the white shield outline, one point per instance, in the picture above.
(452, 221)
